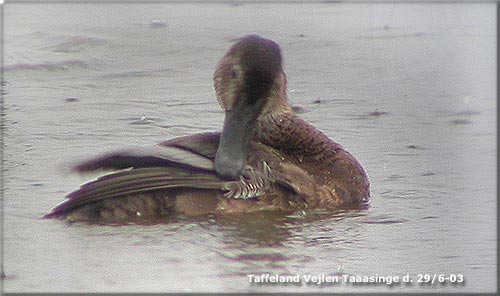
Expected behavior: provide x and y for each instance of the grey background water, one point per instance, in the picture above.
(409, 89)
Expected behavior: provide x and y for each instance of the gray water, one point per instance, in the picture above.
(409, 89)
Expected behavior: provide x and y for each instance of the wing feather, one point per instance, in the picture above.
(194, 152)
(132, 181)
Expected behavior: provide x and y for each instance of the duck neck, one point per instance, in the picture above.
(279, 127)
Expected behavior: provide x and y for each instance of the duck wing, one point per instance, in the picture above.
(195, 152)
(185, 162)
(135, 181)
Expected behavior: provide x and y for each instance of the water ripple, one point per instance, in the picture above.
(75, 44)
(50, 66)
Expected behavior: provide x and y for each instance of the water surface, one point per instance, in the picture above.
(409, 89)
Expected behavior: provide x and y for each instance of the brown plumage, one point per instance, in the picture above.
(266, 158)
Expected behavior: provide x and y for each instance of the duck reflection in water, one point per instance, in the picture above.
(265, 159)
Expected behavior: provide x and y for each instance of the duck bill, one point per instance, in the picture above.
(239, 124)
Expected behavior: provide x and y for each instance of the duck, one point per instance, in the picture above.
(266, 158)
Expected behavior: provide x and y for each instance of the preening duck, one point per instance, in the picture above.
(265, 158)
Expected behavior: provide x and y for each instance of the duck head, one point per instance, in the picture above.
(244, 81)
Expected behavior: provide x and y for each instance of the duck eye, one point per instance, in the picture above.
(234, 74)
